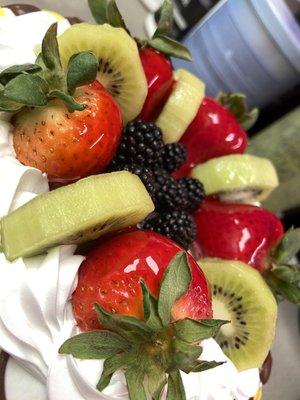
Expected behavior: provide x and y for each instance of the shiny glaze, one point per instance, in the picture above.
(214, 132)
(159, 73)
(237, 232)
(111, 273)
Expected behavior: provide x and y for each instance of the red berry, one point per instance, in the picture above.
(237, 232)
(68, 146)
(159, 74)
(214, 132)
(111, 275)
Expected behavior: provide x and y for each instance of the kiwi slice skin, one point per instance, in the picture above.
(238, 172)
(120, 69)
(241, 296)
(75, 214)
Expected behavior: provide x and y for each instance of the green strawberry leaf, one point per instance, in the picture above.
(10, 73)
(175, 387)
(94, 345)
(288, 247)
(199, 366)
(50, 50)
(82, 69)
(151, 316)
(69, 101)
(135, 383)
(157, 380)
(114, 16)
(30, 90)
(170, 47)
(165, 23)
(110, 366)
(9, 105)
(174, 284)
(288, 273)
(193, 331)
(130, 328)
(182, 354)
(283, 289)
(236, 103)
(98, 9)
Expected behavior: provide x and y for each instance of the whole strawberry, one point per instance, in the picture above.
(111, 275)
(253, 235)
(214, 132)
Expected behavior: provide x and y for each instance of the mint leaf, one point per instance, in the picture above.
(170, 47)
(50, 51)
(151, 316)
(69, 101)
(98, 9)
(288, 247)
(193, 331)
(27, 89)
(114, 16)
(175, 387)
(129, 328)
(82, 69)
(94, 345)
(165, 23)
(174, 284)
(9, 73)
(135, 383)
(199, 366)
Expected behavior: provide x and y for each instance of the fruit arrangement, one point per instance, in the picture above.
(149, 167)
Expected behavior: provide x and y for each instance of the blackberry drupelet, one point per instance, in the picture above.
(145, 175)
(174, 156)
(195, 192)
(176, 225)
(141, 144)
(169, 195)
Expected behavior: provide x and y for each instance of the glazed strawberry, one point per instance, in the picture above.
(68, 146)
(237, 232)
(111, 275)
(213, 133)
(159, 73)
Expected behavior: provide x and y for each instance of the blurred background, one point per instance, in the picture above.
(249, 46)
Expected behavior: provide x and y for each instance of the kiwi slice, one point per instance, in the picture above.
(182, 106)
(241, 295)
(75, 214)
(238, 177)
(120, 68)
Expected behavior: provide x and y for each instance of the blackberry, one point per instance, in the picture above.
(195, 192)
(145, 174)
(174, 156)
(141, 144)
(177, 225)
(169, 194)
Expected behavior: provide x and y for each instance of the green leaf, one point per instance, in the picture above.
(157, 380)
(151, 316)
(94, 345)
(114, 16)
(98, 9)
(170, 47)
(236, 103)
(135, 384)
(82, 69)
(183, 353)
(69, 101)
(290, 292)
(288, 273)
(199, 366)
(110, 366)
(175, 387)
(50, 51)
(165, 23)
(174, 284)
(27, 89)
(9, 105)
(193, 331)
(9, 73)
(288, 247)
(129, 328)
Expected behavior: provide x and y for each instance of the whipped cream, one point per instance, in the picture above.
(19, 35)
(36, 315)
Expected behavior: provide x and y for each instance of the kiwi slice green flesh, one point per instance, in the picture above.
(238, 177)
(240, 295)
(75, 214)
(119, 70)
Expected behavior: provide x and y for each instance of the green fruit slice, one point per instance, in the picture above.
(75, 214)
(120, 68)
(240, 295)
(237, 178)
(182, 106)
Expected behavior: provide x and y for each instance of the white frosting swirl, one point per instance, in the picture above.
(36, 316)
